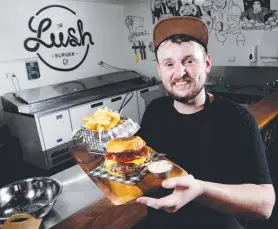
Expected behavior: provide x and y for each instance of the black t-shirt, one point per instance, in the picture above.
(221, 143)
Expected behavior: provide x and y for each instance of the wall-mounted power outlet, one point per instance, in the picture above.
(232, 59)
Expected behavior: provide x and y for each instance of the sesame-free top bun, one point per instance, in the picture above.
(128, 144)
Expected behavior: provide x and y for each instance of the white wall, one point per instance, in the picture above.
(140, 9)
(103, 21)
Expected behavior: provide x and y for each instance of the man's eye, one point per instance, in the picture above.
(190, 62)
(168, 65)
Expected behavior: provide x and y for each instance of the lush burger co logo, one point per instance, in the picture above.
(59, 41)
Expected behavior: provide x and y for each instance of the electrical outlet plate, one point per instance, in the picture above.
(232, 59)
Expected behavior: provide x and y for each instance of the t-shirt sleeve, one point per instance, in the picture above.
(256, 168)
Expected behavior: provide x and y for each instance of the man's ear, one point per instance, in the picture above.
(208, 63)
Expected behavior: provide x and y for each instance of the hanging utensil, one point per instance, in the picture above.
(125, 101)
(136, 54)
(144, 50)
(22, 221)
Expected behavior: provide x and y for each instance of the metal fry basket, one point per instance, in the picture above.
(96, 140)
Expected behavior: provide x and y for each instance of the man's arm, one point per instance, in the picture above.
(253, 196)
(245, 200)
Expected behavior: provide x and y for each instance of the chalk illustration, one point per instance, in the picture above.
(136, 29)
(159, 10)
(138, 35)
(173, 6)
(259, 16)
(226, 19)
(164, 8)
(208, 20)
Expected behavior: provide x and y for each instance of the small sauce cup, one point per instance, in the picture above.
(160, 169)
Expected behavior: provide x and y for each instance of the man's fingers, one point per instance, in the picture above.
(183, 181)
(169, 201)
(151, 202)
(165, 202)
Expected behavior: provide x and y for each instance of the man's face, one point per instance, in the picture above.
(183, 69)
(257, 6)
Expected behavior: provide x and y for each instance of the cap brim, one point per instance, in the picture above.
(186, 25)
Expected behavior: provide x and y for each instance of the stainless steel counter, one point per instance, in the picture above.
(239, 89)
(53, 98)
(79, 191)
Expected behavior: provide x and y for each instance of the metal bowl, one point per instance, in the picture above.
(35, 196)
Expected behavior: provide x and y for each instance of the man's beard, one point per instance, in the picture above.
(185, 99)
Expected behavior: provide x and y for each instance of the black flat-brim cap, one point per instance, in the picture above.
(175, 25)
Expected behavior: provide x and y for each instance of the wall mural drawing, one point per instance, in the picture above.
(257, 15)
(138, 36)
(226, 19)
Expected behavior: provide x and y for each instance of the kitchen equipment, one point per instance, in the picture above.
(141, 50)
(144, 50)
(62, 106)
(22, 221)
(96, 140)
(125, 101)
(35, 196)
(146, 95)
(136, 54)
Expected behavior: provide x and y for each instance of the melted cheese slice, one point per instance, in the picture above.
(109, 163)
(137, 161)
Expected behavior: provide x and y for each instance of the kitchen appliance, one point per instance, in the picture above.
(35, 196)
(146, 95)
(44, 118)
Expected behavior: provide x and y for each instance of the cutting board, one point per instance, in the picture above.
(119, 193)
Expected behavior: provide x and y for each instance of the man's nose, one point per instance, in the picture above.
(180, 71)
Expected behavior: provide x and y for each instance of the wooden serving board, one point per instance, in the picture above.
(119, 193)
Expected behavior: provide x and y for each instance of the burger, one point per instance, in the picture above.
(249, 26)
(127, 156)
(257, 26)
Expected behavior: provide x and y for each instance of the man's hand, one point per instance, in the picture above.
(243, 200)
(186, 189)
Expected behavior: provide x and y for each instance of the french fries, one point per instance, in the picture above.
(102, 120)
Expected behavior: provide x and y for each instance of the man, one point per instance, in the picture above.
(215, 140)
